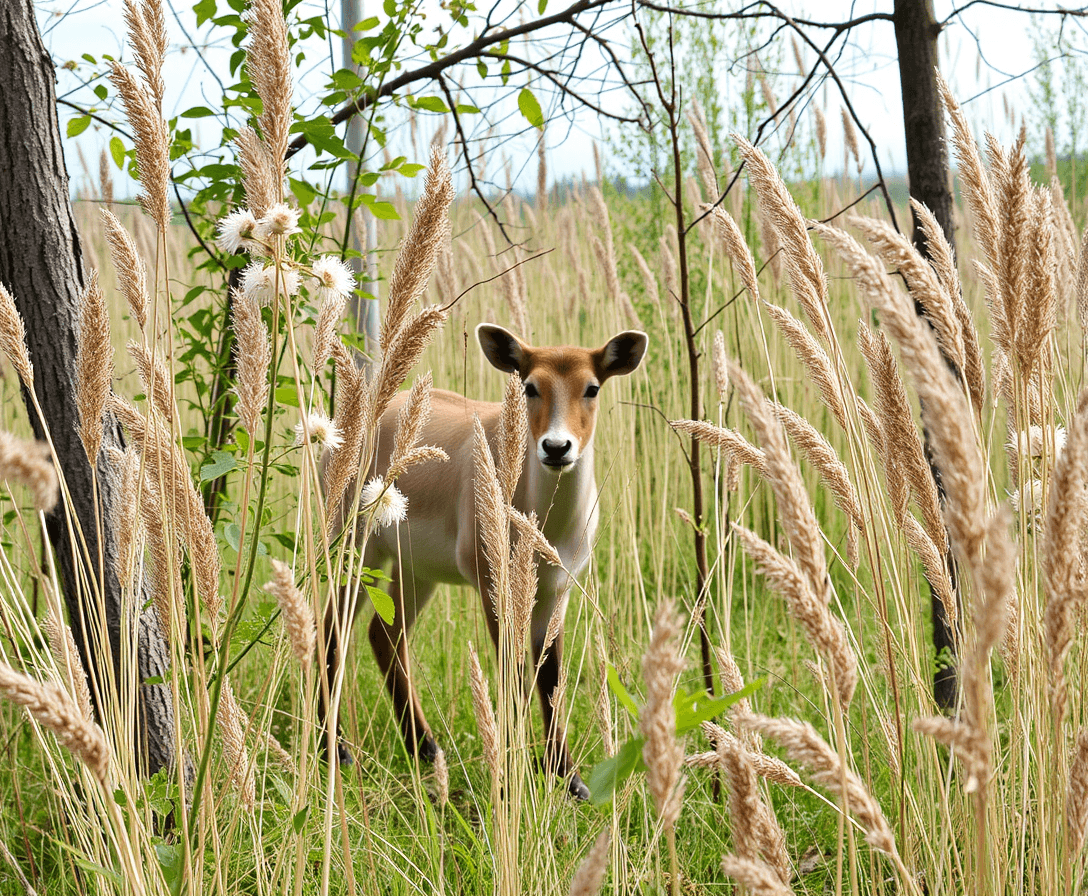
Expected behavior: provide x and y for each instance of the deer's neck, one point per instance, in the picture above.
(565, 504)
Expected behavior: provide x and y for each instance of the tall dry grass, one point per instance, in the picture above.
(826, 532)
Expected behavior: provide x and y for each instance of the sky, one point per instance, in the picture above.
(987, 55)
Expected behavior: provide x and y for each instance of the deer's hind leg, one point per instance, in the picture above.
(389, 642)
(335, 627)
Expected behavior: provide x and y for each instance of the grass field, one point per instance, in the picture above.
(821, 596)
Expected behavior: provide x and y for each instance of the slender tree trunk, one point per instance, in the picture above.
(41, 264)
(916, 33)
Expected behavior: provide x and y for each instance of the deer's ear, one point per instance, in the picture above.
(621, 354)
(502, 348)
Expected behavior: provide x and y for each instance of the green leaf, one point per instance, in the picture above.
(430, 104)
(198, 112)
(383, 603)
(541, 6)
(101, 92)
(287, 395)
(530, 108)
(384, 211)
(610, 774)
(117, 152)
(77, 126)
(411, 169)
(232, 533)
(304, 193)
(694, 709)
(466, 109)
(170, 861)
(481, 67)
(220, 464)
(298, 822)
(622, 694)
(367, 24)
(204, 9)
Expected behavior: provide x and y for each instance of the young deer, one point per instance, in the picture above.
(438, 541)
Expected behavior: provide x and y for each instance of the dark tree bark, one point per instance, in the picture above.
(916, 33)
(41, 264)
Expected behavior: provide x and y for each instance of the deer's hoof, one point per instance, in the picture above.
(577, 788)
(427, 749)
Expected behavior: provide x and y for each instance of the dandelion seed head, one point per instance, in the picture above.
(281, 220)
(334, 278)
(259, 282)
(238, 230)
(387, 503)
(322, 430)
(1030, 442)
(1031, 500)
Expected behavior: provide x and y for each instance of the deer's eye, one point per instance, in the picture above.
(530, 391)
(591, 390)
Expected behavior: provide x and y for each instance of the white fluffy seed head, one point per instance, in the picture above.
(322, 430)
(1030, 442)
(238, 230)
(1030, 500)
(281, 220)
(259, 282)
(386, 502)
(333, 279)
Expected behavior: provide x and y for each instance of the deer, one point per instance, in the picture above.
(438, 541)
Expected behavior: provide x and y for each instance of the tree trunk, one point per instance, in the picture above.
(916, 33)
(41, 264)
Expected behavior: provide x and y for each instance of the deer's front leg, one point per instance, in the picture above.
(548, 663)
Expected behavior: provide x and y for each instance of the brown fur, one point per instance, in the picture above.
(439, 540)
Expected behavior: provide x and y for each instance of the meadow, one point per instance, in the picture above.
(824, 528)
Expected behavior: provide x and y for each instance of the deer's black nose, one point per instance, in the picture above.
(556, 451)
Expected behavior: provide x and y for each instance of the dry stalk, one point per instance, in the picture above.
(1062, 561)
(253, 359)
(808, 606)
(803, 744)
(13, 339)
(418, 253)
(53, 709)
(232, 727)
(268, 61)
(129, 266)
(513, 436)
(756, 832)
(167, 466)
(728, 440)
(737, 250)
(485, 716)
(814, 358)
(823, 457)
(31, 464)
(588, 878)
(152, 144)
(803, 264)
(657, 721)
(155, 377)
(63, 647)
(298, 615)
(757, 877)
